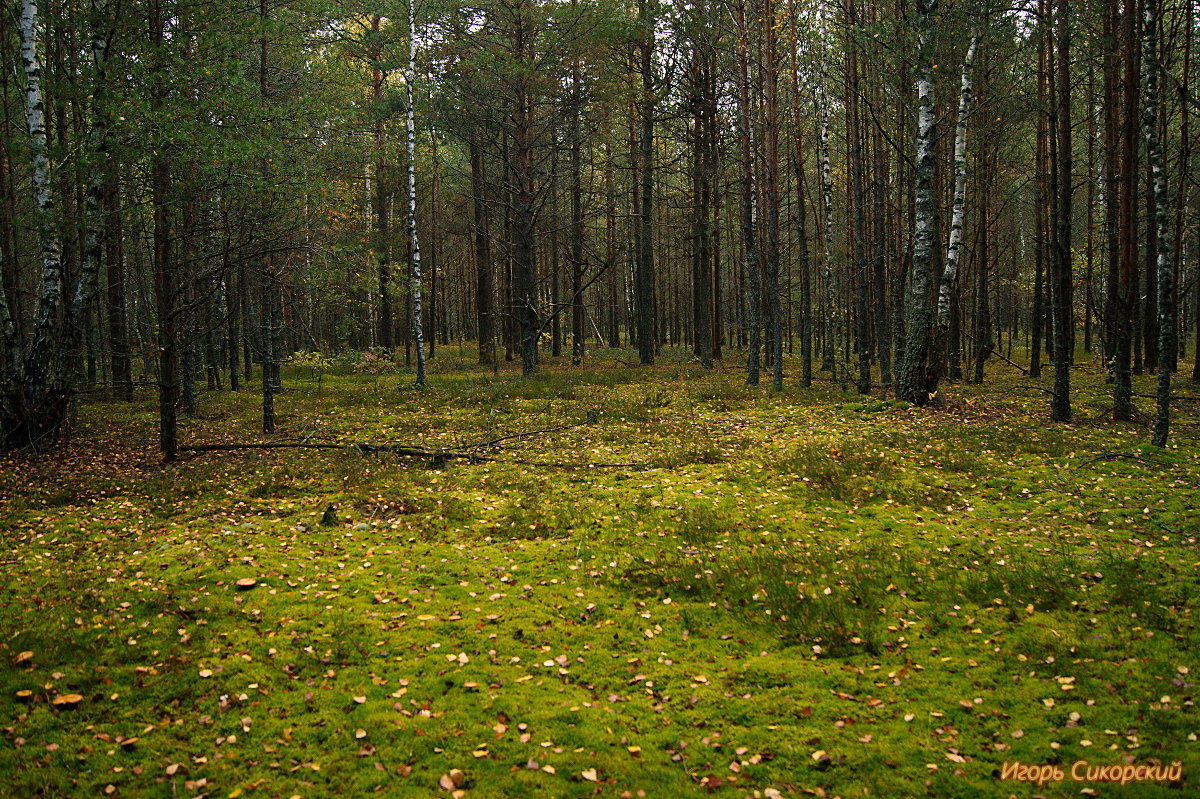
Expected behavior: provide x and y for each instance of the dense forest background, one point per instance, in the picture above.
(886, 195)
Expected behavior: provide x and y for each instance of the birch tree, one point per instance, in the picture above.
(1166, 288)
(38, 384)
(912, 383)
(949, 278)
(414, 247)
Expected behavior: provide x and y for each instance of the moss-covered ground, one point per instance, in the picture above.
(754, 594)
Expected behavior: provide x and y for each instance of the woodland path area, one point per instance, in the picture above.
(797, 593)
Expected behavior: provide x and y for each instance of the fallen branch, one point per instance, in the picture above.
(435, 455)
(520, 436)
(1112, 456)
(395, 449)
(1000, 355)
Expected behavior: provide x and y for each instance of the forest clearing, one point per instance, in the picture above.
(796, 593)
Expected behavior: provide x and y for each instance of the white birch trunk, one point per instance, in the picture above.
(946, 285)
(1166, 274)
(414, 247)
(911, 372)
(830, 319)
(35, 121)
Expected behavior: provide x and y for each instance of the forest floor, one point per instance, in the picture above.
(808, 593)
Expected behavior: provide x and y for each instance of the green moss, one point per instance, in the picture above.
(767, 577)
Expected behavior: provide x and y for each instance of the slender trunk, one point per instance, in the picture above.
(1166, 287)
(118, 327)
(1063, 307)
(1127, 223)
(774, 309)
(749, 244)
(414, 253)
(1040, 233)
(806, 326)
(382, 200)
(829, 316)
(644, 284)
(164, 267)
(857, 199)
(879, 253)
(1112, 132)
(983, 321)
(947, 285)
(436, 288)
(701, 80)
(483, 257)
(29, 412)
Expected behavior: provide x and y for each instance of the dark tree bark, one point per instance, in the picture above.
(483, 256)
(644, 274)
(749, 243)
(774, 305)
(704, 105)
(114, 257)
(1127, 224)
(862, 279)
(806, 325)
(1063, 307)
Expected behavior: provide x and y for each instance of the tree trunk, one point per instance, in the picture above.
(414, 248)
(806, 326)
(749, 244)
(1063, 307)
(1154, 155)
(861, 277)
(483, 256)
(1127, 224)
(912, 371)
(702, 86)
(118, 327)
(948, 284)
(774, 305)
(644, 284)
(829, 314)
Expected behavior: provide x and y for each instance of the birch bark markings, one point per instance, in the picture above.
(829, 318)
(911, 372)
(410, 73)
(950, 273)
(1154, 154)
(38, 360)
